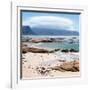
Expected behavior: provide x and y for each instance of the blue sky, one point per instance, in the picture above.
(64, 20)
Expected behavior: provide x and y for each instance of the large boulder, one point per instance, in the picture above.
(72, 66)
(76, 65)
(34, 50)
(37, 50)
(65, 50)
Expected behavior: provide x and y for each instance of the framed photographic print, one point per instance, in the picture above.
(49, 44)
(46, 44)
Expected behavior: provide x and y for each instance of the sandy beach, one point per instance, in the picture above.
(43, 65)
(50, 58)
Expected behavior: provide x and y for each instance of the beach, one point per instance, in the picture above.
(50, 57)
(33, 62)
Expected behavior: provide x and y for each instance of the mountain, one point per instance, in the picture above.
(26, 30)
(47, 31)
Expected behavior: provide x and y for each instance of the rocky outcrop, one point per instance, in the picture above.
(41, 40)
(72, 66)
(73, 50)
(37, 50)
(34, 50)
(55, 50)
(67, 50)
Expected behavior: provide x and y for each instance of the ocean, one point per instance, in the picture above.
(69, 42)
(62, 42)
(57, 45)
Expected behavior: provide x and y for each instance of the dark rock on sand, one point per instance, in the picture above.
(24, 51)
(34, 50)
(42, 70)
(65, 50)
(37, 50)
(73, 50)
(55, 50)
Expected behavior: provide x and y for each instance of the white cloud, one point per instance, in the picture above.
(50, 22)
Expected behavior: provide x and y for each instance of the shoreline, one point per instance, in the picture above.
(48, 63)
(31, 61)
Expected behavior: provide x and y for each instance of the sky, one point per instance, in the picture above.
(66, 21)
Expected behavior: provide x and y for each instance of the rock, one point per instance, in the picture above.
(72, 66)
(62, 60)
(34, 50)
(76, 65)
(65, 50)
(58, 68)
(43, 70)
(55, 50)
(37, 50)
(73, 50)
(41, 40)
(24, 50)
(67, 66)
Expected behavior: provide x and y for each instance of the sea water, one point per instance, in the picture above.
(56, 45)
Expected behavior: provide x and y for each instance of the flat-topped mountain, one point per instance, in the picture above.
(27, 30)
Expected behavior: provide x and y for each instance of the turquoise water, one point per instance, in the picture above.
(58, 45)
(55, 45)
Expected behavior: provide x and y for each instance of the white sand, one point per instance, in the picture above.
(32, 60)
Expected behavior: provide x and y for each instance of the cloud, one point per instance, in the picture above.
(50, 22)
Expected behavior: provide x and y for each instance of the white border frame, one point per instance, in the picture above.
(15, 42)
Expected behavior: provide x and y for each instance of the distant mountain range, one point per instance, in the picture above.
(27, 30)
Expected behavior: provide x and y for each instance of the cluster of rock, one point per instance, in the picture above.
(67, 50)
(41, 40)
(37, 50)
(72, 66)
(59, 39)
(43, 70)
(38, 40)
(26, 49)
